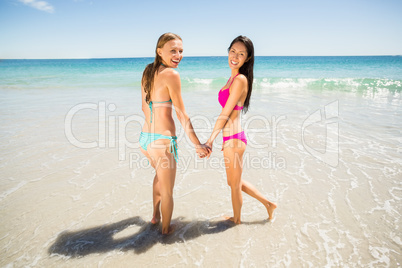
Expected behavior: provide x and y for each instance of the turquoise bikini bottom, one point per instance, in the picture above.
(146, 138)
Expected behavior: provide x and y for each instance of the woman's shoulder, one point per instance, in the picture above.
(240, 79)
(170, 73)
(171, 78)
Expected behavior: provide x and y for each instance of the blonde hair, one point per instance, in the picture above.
(151, 69)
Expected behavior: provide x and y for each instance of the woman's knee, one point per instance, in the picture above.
(235, 188)
(166, 194)
(234, 183)
(166, 185)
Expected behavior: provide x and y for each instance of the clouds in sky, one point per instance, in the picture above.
(40, 5)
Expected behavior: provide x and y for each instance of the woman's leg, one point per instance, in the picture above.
(233, 154)
(249, 189)
(165, 166)
(156, 196)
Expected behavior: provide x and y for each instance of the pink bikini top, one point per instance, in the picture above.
(223, 96)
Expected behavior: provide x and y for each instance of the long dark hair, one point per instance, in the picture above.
(149, 73)
(248, 66)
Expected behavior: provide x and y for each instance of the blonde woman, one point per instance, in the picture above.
(161, 89)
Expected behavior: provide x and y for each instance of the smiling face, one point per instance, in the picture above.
(237, 55)
(171, 53)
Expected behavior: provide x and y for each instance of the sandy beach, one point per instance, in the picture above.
(338, 188)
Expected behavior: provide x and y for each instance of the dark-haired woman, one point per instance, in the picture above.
(234, 97)
(161, 88)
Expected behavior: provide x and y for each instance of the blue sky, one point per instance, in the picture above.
(130, 28)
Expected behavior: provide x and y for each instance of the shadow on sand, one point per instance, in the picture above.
(101, 239)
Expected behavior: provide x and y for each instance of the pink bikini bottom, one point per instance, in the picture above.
(240, 136)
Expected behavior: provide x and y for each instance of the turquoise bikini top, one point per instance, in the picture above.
(150, 105)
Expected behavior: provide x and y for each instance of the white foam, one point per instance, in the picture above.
(12, 190)
(396, 239)
(398, 194)
(202, 81)
(380, 254)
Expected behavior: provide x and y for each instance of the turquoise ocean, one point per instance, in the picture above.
(320, 73)
(325, 144)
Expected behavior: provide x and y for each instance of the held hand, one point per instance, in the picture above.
(203, 151)
(209, 147)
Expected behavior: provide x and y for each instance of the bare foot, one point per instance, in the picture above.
(156, 218)
(232, 220)
(169, 230)
(270, 208)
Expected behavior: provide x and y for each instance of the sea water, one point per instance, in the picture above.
(324, 143)
(114, 73)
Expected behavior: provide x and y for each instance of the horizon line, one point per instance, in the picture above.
(144, 57)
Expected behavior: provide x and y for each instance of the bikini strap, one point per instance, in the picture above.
(173, 147)
(150, 105)
(163, 101)
(233, 80)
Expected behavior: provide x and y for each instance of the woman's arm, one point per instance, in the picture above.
(238, 87)
(174, 86)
